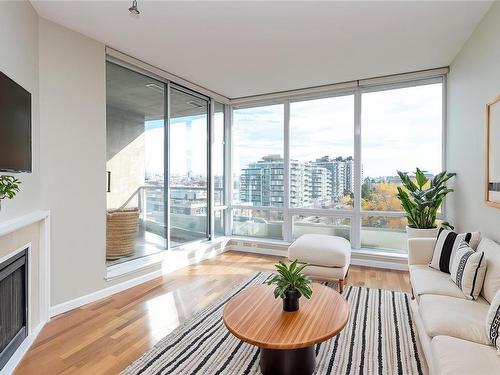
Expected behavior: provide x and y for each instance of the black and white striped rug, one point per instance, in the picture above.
(379, 339)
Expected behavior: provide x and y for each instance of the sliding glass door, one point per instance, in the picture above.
(188, 135)
(135, 123)
(158, 190)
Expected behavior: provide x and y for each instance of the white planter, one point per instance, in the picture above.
(421, 233)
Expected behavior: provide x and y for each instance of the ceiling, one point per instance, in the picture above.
(241, 48)
(134, 94)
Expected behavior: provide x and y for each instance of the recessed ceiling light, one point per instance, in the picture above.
(133, 9)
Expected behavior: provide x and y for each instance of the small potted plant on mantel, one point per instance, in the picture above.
(9, 187)
(291, 283)
(421, 200)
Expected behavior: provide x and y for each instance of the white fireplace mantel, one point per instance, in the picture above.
(12, 225)
(42, 281)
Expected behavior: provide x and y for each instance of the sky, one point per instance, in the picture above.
(401, 130)
(188, 145)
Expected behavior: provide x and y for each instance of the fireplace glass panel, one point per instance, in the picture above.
(13, 306)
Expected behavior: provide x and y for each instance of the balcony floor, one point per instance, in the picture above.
(147, 243)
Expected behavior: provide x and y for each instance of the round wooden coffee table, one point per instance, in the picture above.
(286, 339)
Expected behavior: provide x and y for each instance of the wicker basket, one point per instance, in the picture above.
(121, 232)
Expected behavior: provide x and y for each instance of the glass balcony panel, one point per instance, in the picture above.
(384, 233)
(219, 223)
(258, 223)
(329, 225)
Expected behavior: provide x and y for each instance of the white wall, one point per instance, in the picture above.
(73, 152)
(473, 81)
(19, 61)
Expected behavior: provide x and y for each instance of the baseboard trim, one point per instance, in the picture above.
(170, 265)
(18, 355)
(103, 293)
(390, 265)
(257, 250)
(357, 259)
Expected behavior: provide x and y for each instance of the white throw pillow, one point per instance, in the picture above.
(468, 270)
(446, 246)
(491, 252)
(493, 322)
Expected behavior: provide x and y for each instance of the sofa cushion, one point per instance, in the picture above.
(468, 270)
(491, 282)
(426, 280)
(456, 317)
(452, 356)
(447, 244)
(321, 250)
(493, 322)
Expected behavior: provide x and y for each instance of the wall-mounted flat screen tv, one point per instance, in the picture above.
(15, 126)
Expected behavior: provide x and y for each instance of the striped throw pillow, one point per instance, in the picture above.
(468, 270)
(446, 246)
(493, 322)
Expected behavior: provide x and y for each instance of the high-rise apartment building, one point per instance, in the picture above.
(319, 183)
(262, 184)
(300, 192)
(342, 174)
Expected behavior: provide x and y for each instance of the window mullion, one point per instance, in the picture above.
(356, 222)
(210, 174)
(287, 219)
(166, 179)
(228, 149)
(444, 121)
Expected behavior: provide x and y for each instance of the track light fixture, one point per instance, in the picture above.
(133, 9)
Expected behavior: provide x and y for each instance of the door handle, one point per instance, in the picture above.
(108, 182)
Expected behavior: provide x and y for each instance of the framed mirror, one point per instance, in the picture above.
(492, 183)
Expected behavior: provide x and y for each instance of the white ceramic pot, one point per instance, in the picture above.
(421, 233)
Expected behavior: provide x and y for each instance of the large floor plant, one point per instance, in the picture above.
(421, 198)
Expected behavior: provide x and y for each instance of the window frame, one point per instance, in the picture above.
(173, 82)
(356, 213)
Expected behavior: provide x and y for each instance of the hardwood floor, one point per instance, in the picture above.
(106, 336)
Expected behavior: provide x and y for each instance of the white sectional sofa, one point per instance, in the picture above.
(452, 329)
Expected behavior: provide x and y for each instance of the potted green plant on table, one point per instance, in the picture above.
(291, 283)
(9, 187)
(421, 199)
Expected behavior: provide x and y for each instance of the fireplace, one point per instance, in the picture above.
(13, 304)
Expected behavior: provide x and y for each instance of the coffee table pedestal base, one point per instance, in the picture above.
(288, 362)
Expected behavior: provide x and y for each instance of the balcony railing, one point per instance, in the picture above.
(188, 212)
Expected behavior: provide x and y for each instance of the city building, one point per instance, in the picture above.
(342, 174)
(317, 183)
(261, 183)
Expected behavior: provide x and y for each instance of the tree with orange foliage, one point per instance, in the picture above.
(382, 197)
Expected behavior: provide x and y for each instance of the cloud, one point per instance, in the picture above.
(401, 129)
